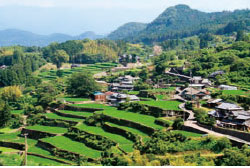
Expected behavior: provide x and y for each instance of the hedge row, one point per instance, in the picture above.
(35, 134)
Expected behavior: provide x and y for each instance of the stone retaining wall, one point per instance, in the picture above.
(241, 135)
(35, 134)
(74, 108)
(69, 115)
(18, 146)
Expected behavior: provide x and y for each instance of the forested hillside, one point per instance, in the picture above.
(181, 21)
(126, 30)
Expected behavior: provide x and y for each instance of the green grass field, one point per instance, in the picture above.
(55, 116)
(77, 113)
(144, 136)
(165, 105)
(235, 92)
(188, 134)
(49, 129)
(67, 144)
(124, 143)
(134, 117)
(133, 92)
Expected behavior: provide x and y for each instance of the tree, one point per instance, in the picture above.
(178, 123)
(46, 94)
(5, 114)
(59, 57)
(144, 74)
(81, 84)
(232, 157)
(11, 93)
(240, 35)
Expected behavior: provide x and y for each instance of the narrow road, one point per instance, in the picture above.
(192, 123)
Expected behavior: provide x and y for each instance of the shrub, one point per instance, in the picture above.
(178, 124)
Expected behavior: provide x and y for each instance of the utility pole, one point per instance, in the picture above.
(26, 149)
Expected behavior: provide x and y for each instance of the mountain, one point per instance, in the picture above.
(126, 30)
(11, 37)
(90, 35)
(181, 21)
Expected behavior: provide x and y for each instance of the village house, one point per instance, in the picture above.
(200, 80)
(227, 87)
(214, 103)
(216, 73)
(100, 97)
(232, 116)
(194, 94)
(3, 67)
(75, 66)
(116, 98)
(124, 83)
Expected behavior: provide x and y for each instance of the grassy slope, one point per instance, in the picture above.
(72, 146)
(124, 143)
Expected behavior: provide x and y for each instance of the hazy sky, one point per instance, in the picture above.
(101, 16)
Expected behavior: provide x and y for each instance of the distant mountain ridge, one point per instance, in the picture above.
(181, 21)
(10, 37)
(128, 29)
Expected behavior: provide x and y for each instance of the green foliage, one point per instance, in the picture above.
(81, 85)
(178, 123)
(203, 118)
(59, 57)
(5, 114)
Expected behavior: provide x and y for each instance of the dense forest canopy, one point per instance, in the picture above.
(181, 21)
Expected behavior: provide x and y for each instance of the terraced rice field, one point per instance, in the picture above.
(93, 68)
(65, 143)
(93, 105)
(144, 136)
(165, 105)
(135, 117)
(55, 116)
(49, 129)
(124, 143)
(38, 161)
(76, 113)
